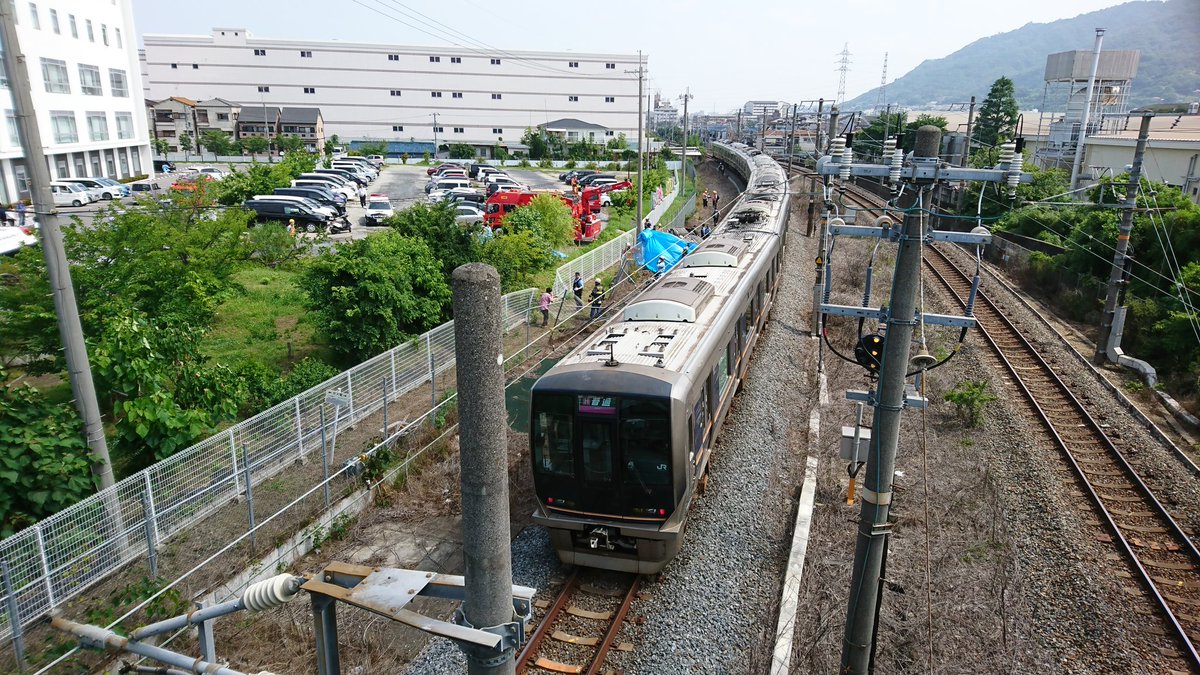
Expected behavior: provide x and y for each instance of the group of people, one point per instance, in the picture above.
(20, 210)
(712, 197)
(596, 299)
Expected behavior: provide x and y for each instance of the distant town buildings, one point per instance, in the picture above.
(398, 93)
(83, 68)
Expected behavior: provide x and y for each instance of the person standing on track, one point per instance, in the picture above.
(577, 289)
(704, 199)
(544, 305)
(597, 299)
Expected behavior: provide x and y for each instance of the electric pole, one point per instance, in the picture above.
(1087, 110)
(889, 352)
(641, 73)
(739, 127)
(58, 270)
(1116, 278)
(762, 134)
(791, 142)
(817, 151)
(435, 138)
(686, 95)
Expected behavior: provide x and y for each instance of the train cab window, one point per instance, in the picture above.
(645, 443)
(596, 440)
(552, 420)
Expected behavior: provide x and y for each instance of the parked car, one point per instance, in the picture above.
(13, 239)
(354, 177)
(163, 166)
(474, 169)
(99, 189)
(436, 196)
(327, 211)
(444, 166)
(307, 219)
(210, 171)
(379, 207)
(329, 183)
(378, 160)
(448, 183)
(320, 195)
(363, 168)
(504, 184)
(70, 194)
(465, 213)
(122, 187)
(588, 179)
(145, 188)
(477, 199)
(575, 173)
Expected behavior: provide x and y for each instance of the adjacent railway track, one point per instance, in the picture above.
(1159, 555)
(590, 602)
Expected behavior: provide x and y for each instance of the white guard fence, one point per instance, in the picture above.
(55, 560)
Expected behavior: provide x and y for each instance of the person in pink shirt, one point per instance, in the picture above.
(544, 305)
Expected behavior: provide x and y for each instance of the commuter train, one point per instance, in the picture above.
(622, 428)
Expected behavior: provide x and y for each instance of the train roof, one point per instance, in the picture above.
(664, 325)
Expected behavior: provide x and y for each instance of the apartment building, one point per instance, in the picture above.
(83, 68)
(399, 92)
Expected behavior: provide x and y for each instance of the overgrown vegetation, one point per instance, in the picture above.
(969, 398)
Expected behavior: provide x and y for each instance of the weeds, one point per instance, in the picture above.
(969, 398)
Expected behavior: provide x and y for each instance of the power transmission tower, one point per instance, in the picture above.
(888, 354)
(843, 68)
(881, 99)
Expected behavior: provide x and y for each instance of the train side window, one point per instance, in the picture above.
(723, 371)
(699, 422)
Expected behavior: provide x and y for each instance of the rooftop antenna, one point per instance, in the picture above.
(843, 68)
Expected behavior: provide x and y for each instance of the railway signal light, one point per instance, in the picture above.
(868, 351)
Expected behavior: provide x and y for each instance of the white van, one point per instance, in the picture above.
(450, 183)
(70, 194)
(329, 184)
(327, 211)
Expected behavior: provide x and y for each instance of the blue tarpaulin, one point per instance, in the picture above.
(653, 245)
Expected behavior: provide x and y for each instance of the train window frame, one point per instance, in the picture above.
(567, 414)
(722, 371)
(596, 469)
(651, 412)
(699, 419)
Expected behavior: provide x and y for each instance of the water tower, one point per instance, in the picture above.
(1066, 96)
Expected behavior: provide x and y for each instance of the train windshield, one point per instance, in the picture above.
(603, 454)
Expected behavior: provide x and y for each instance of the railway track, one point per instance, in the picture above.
(1159, 555)
(579, 628)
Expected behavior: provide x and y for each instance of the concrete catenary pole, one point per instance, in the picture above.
(791, 141)
(1116, 276)
(1087, 110)
(820, 116)
(970, 130)
(833, 126)
(69, 328)
(483, 456)
(873, 526)
(641, 73)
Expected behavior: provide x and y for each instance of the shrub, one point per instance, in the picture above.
(546, 163)
(570, 164)
(969, 398)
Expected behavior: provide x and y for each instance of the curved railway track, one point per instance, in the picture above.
(598, 607)
(1159, 554)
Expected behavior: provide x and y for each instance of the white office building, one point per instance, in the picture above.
(396, 92)
(87, 93)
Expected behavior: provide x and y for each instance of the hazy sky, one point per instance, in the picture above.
(726, 52)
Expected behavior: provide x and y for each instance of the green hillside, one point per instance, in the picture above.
(1166, 33)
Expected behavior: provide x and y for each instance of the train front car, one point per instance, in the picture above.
(622, 427)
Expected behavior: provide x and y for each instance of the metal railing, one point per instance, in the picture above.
(55, 560)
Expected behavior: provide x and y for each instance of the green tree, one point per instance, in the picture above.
(452, 244)
(161, 146)
(44, 461)
(499, 152)
(255, 145)
(618, 143)
(185, 144)
(272, 245)
(547, 217)
(217, 142)
(331, 143)
(869, 140)
(518, 257)
(461, 151)
(290, 143)
(538, 148)
(373, 147)
(997, 121)
(372, 294)
(30, 334)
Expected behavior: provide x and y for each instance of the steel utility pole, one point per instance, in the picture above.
(488, 602)
(69, 328)
(791, 142)
(641, 73)
(1116, 276)
(1087, 111)
(873, 526)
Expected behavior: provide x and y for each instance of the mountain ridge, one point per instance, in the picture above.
(1164, 32)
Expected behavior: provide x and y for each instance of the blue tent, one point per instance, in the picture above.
(653, 244)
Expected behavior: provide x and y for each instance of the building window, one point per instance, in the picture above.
(89, 80)
(497, 131)
(495, 62)
(260, 52)
(572, 64)
(222, 117)
(310, 90)
(457, 94)
(54, 22)
(610, 66)
(264, 89)
(393, 57)
(54, 72)
(195, 66)
(306, 55)
(74, 28)
(438, 130)
(174, 66)
(104, 34)
(496, 97)
(573, 99)
(14, 135)
(458, 130)
(435, 94)
(610, 99)
(395, 92)
(117, 79)
(97, 126)
(397, 127)
(33, 15)
(63, 122)
(117, 34)
(3, 73)
(124, 125)
(455, 59)
(435, 59)
(88, 24)
(608, 133)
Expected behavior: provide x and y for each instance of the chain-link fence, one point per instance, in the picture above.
(54, 561)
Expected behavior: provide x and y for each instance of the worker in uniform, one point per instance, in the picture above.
(597, 299)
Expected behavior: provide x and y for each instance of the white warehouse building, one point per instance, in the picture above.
(87, 93)
(399, 93)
